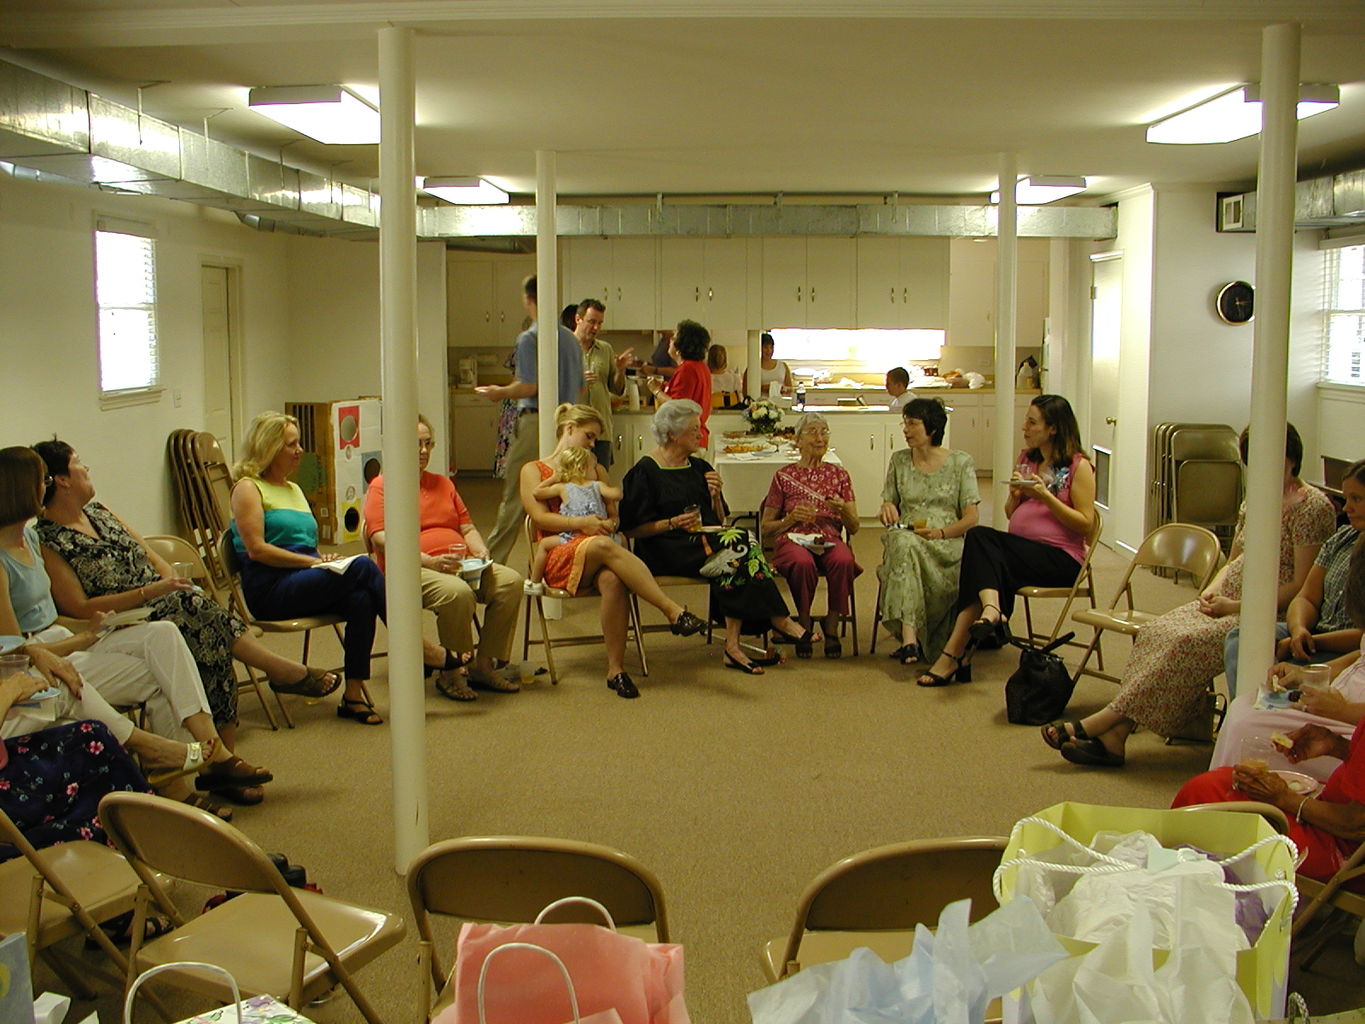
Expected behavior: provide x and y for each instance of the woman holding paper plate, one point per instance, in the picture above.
(808, 509)
(283, 575)
(98, 563)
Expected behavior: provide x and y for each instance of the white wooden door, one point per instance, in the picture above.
(1106, 312)
(222, 416)
(587, 271)
(879, 282)
(509, 311)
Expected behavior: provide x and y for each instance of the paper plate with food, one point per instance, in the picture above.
(814, 541)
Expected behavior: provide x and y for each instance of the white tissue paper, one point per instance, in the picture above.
(950, 976)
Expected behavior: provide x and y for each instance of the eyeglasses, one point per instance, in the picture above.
(425, 446)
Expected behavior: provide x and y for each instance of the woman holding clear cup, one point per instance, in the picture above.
(98, 563)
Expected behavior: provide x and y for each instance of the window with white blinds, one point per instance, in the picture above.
(125, 292)
(1344, 315)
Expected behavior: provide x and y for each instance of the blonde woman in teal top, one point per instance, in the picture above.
(276, 538)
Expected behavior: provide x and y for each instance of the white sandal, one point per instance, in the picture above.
(196, 758)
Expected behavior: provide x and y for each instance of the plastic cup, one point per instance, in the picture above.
(1315, 677)
(687, 512)
(1257, 752)
(183, 570)
(921, 522)
(13, 664)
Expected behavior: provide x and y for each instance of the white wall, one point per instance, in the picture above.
(334, 323)
(49, 342)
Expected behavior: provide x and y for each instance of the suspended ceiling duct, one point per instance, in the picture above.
(54, 131)
(1332, 202)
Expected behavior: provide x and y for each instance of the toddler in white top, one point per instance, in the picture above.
(580, 493)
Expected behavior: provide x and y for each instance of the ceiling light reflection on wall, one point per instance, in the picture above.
(330, 114)
(1039, 189)
(465, 191)
(1233, 115)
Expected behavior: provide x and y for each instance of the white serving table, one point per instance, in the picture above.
(746, 477)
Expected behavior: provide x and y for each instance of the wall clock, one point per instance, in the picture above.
(1235, 302)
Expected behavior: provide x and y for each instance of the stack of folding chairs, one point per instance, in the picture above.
(1196, 478)
(203, 487)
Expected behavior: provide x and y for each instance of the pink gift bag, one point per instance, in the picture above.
(641, 981)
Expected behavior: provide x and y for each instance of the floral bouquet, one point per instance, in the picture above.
(763, 416)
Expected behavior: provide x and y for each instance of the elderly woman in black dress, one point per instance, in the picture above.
(670, 496)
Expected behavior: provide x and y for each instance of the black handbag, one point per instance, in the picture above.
(1041, 687)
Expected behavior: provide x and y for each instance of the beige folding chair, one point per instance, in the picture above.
(177, 549)
(537, 601)
(875, 899)
(304, 624)
(61, 891)
(1175, 547)
(273, 939)
(1277, 819)
(512, 878)
(1342, 903)
(1084, 587)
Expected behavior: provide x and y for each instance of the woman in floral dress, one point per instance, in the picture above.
(813, 497)
(98, 563)
(1177, 655)
(934, 486)
(51, 781)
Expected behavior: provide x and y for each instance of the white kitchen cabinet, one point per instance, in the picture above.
(483, 298)
(809, 282)
(860, 441)
(621, 272)
(971, 293)
(704, 279)
(902, 282)
(474, 435)
(973, 424)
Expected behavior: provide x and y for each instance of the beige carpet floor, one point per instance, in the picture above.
(736, 790)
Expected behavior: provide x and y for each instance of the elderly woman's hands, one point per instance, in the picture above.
(19, 687)
(889, 514)
(713, 484)
(1310, 741)
(55, 669)
(1260, 784)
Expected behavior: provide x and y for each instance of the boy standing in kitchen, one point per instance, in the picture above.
(898, 386)
(526, 440)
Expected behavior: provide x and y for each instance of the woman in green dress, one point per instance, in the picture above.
(928, 503)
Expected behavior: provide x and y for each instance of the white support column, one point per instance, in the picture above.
(1270, 351)
(547, 299)
(398, 344)
(754, 362)
(1006, 286)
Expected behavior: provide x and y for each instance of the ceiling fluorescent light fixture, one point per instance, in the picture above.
(1039, 190)
(1233, 115)
(464, 191)
(331, 114)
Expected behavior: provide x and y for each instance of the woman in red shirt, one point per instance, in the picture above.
(692, 378)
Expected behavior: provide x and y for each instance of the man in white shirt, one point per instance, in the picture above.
(898, 386)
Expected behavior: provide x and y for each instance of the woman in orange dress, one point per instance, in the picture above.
(594, 556)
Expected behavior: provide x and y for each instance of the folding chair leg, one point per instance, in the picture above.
(634, 626)
(545, 639)
(1085, 658)
(260, 696)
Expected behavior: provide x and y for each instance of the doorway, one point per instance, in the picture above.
(1106, 314)
(222, 355)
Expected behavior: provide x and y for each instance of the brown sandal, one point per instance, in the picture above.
(207, 803)
(231, 772)
(451, 685)
(316, 683)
